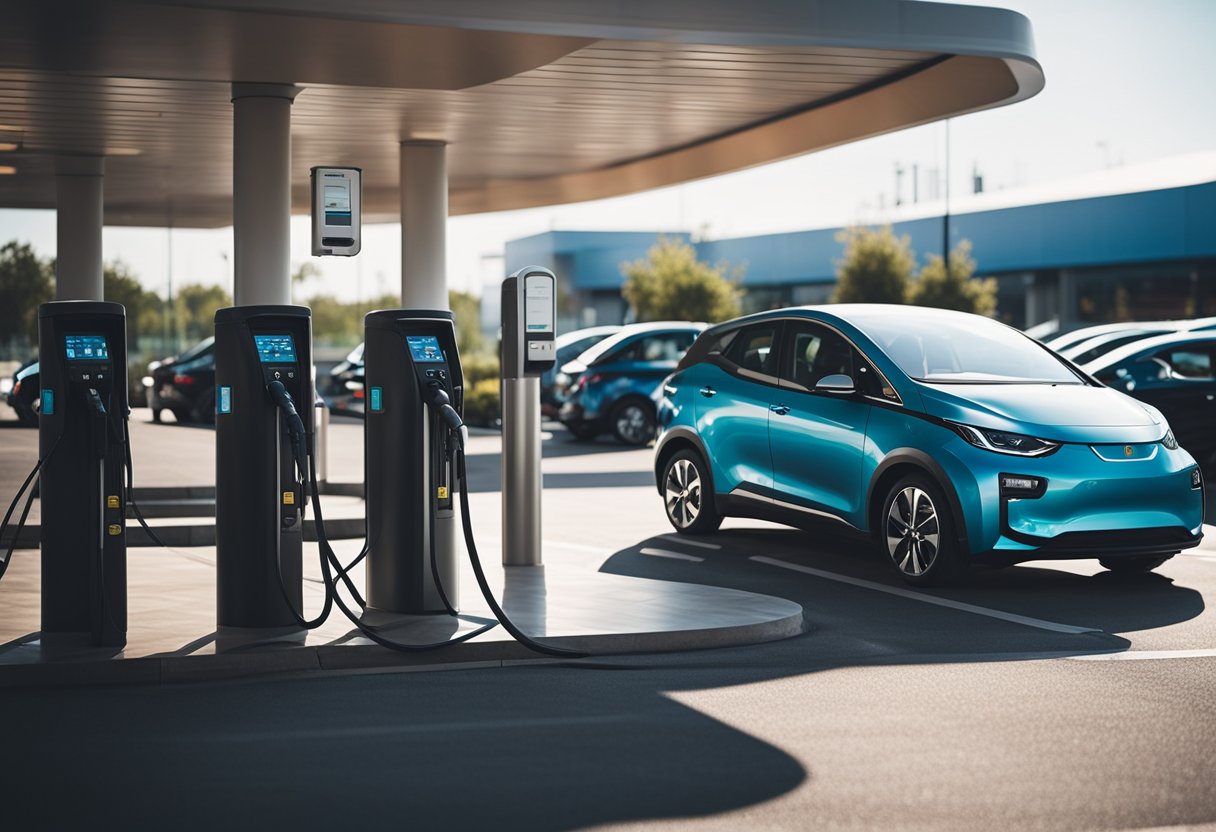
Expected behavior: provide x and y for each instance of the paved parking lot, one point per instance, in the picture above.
(1043, 696)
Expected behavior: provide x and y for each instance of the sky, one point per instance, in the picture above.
(1128, 81)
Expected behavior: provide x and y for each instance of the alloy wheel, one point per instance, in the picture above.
(682, 493)
(633, 425)
(913, 531)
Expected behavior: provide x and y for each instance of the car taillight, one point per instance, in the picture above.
(16, 388)
(359, 393)
(185, 381)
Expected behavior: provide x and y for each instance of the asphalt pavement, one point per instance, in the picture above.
(1042, 696)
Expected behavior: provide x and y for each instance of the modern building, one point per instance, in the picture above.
(1081, 251)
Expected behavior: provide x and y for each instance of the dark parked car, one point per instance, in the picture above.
(614, 382)
(184, 384)
(1176, 374)
(570, 345)
(23, 395)
(343, 387)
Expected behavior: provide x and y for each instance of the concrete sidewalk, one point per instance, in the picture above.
(597, 504)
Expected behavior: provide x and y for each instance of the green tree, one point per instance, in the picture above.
(25, 281)
(671, 284)
(467, 310)
(196, 305)
(144, 308)
(877, 266)
(953, 287)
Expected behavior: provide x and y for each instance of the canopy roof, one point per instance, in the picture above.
(540, 101)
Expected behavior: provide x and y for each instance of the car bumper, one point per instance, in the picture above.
(1089, 506)
(573, 414)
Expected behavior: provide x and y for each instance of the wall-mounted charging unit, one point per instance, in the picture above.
(82, 444)
(337, 211)
(263, 357)
(529, 310)
(412, 369)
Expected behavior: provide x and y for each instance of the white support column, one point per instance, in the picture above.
(261, 192)
(424, 218)
(79, 218)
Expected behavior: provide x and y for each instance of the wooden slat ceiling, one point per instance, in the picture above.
(594, 109)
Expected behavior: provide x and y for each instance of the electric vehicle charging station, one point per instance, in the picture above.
(337, 211)
(529, 312)
(263, 360)
(82, 442)
(409, 355)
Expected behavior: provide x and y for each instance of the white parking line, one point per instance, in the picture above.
(675, 538)
(929, 599)
(665, 553)
(1144, 655)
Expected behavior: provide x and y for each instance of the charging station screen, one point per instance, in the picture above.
(86, 347)
(275, 349)
(337, 202)
(424, 348)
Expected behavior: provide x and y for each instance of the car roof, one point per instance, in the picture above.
(1148, 345)
(587, 332)
(1076, 336)
(630, 330)
(1107, 337)
(843, 313)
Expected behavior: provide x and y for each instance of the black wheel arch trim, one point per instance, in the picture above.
(920, 459)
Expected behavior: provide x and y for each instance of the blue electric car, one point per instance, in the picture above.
(948, 437)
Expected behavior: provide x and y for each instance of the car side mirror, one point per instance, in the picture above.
(837, 383)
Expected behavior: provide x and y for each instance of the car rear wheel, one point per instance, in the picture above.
(582, 433)
(687, 495)
(633, 422)
(916, 531)
(1132, 566)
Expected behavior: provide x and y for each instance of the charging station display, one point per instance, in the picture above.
(86, 348)
(425, 348)
(337, 203)
(275, 349)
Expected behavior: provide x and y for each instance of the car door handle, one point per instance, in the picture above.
(779, 409)
(708, 392)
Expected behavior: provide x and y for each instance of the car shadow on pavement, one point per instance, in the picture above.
(864, 624)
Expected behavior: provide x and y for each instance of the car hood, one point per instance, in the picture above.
(1061, 412)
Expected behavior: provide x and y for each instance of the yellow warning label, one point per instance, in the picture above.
(289, 498)
(112, 502)
(443, 492)
(114, 529)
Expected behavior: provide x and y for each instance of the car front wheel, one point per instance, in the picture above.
(916, 532)
(687, 495)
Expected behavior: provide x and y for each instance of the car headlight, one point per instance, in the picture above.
(1169, 441)
(1004, 442)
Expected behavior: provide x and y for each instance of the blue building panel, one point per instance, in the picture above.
(1150, 226)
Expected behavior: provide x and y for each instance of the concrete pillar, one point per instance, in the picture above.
(79, 216)
(424, 218)
(261, 192)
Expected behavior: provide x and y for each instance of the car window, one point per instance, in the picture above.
(660, 346)
(754, 349)
(1190, 361)
(815, 352)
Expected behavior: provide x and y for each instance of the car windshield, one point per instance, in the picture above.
(954, 348)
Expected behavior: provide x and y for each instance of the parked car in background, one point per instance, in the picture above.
(1075, 337)
(23, 396)
(1176, 374)
(342, 388)
(1098, 346)
(184, 384)
(613, 383)
(950, 438)
(570, 345)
